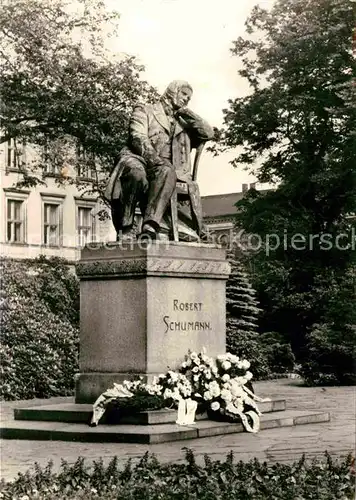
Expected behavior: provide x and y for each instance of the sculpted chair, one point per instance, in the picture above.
(181, 193)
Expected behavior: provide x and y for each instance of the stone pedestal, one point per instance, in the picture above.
(143, 306)
(142, 309)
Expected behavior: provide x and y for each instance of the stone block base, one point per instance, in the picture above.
(143, 308)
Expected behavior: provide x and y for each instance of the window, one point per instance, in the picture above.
(15, 221)
(15, 230)
(10, 154)
(51, 169)
(85, 164)
(52, 218)
(51, 224)
(85, 225)
(52, 154)
(15, 155)
(85, 172)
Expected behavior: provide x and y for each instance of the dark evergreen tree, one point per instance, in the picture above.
(242, 313)
(242, 309)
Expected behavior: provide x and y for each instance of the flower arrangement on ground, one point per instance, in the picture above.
(221, 387)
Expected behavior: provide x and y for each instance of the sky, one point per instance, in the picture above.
(191, 40)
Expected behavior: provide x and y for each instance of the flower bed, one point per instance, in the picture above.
(214, 480)
(221, 387)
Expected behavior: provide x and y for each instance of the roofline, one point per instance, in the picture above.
(220, 195)
(233, 194)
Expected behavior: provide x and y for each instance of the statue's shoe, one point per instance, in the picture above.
(148, 232)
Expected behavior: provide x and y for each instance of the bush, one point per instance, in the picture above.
(278, 352)
(58, 287)
(148, 479)
(330, 356)
(39, 325)
(247, 345)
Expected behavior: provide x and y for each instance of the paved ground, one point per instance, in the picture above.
(274, 445)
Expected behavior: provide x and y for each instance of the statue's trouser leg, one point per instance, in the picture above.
(134, 187)
(162, 182)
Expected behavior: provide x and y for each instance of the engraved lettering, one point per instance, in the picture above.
(182, 326)
(165, 320)
(186, 306)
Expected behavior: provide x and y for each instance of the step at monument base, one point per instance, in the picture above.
(148, 434)
(81, 413)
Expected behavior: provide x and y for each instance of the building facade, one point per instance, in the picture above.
(55, 218)
(219, 212)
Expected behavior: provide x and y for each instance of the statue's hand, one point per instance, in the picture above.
(184, 111)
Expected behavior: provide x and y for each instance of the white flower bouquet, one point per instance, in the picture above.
(223, 388)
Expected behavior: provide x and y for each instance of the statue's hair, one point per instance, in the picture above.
(173, 88)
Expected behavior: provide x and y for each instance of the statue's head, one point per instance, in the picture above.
(178, 93)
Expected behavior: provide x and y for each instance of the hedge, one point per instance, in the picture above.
(39, 327)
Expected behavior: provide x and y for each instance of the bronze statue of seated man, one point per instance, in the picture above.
(156, 164)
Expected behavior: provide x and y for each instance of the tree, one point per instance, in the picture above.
(62, 91)
(241, 304)
(242, 313)
(299, 121)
